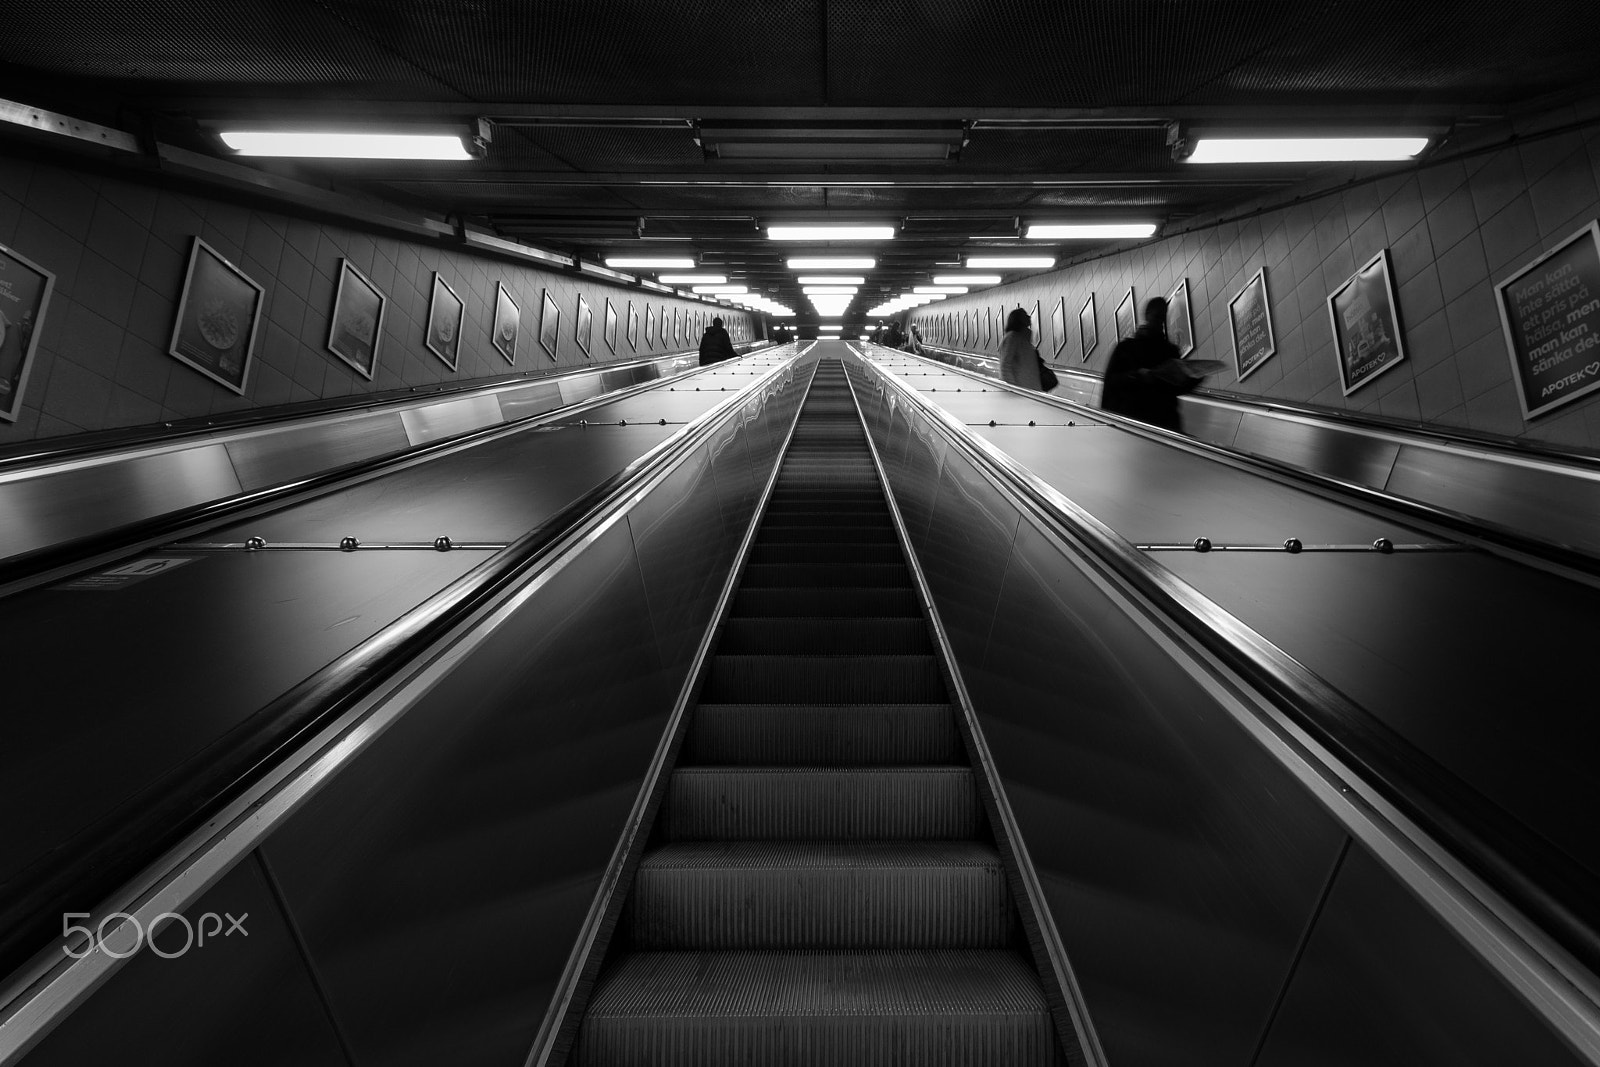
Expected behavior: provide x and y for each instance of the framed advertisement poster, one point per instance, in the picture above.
(507, 323)
(1127, 317)
(1088, 333)
(988, 327)
(1180, 327)
(1550, 311)
(1058, 324)
(549, 325)
(649, 327)
(1036, 335)
(633, 326)
(1250, 321)
(609, 329)
(25, 289)
(677, 328)
(356, 326)
(585, 331)
(215, 332)
(444, 322)
(1366, 326)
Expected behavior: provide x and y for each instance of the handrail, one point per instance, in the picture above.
(106, 856)
(1527, 547)
(1559, 895)
(52, 562)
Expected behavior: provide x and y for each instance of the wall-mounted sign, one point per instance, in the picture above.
(25, 289)
(585, 331)
(1250, 320)
(1127, 318)
(1550, 311)
(549, 325)
(1036, 335)
(356, 327)
(215, 332)
(1180, 327)
(633, 326)
(507, 323)
(1366, 326)
(649, 327)
(1088, 333)
(1058, 324)
(609, 330)
(445, 310)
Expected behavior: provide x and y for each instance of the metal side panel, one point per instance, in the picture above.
(284, 455)
(1328, 450)
(439, 881)
(1214, 424)
(245, 999)
(674, 405)
(1384, 984)
(534, 398)
(975, 405)
(734, 474)
(61, 505)
(450, 418)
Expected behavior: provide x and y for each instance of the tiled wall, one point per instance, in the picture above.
(119, 250)
(1453, 230)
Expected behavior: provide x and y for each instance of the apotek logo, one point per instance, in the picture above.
(119, 935)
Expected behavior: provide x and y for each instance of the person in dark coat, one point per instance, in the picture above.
(892, 335)
(1144, 378)
(715, 344)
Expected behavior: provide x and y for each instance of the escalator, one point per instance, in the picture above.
(822, 885)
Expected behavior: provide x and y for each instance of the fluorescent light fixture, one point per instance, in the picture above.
(1104, 231)
(647, 262)
(309, 144)
(831, 329)
(929, 290)
(693, 279)
(722, 290)
(1304, 149)
(830, 233)
(831, 263)
(1011, 262)
(830, 290)
(823, 279)
(966, 279)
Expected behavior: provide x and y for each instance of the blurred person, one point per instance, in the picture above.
(1020, 362)
(893, 337)
(914, 341)
(1145, 376)
(715, 344)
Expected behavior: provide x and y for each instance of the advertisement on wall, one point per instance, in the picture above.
(1180, 326)
(1366, 327)
(1250, 320)
(1550, 311)
(215, 332)
(25, 289)
(445, 311)
(356, 326)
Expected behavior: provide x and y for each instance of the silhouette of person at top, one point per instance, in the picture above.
(715, 344)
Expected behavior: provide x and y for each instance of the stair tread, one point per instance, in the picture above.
(817, 855)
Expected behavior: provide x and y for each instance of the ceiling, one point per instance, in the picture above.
(639, 127)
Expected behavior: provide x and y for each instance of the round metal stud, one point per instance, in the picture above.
(348, 544)
(255, 544)
(622, 422)
(661, 422)
(1202, 544)
(1032, 423)
(1292, 545)
(1383, 544)
(991, 422)
(443, 544)
(1071, 423)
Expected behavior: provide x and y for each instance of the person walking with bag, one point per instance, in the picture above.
(1020, 362)
(715, 344)
(1145, 376)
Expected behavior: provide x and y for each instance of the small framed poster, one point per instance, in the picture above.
(549, 325)
(1550, 312)
(1127, 318)
(609, 329)
(1088, 333)
(1250, 321)
(988, 327)
(356, 327)
(677, 328)
(1366, 326)
(25, 290)
(218, 314)
(1180, 327)
(649, 327)
(585, 331)
(445, 310)
(507, 323)
(1036, 335)
(999, 324)
(633, 326)
(661, 328)
(1058, 324)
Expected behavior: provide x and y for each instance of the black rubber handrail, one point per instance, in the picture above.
(1470, 527)
(104, 857)
(1556, 892)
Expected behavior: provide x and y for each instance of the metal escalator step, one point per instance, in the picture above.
(825, 555)
(869, 504)
(808, 735)
(822, 575)
(824, 637)
(880, 533)
(820, 894)
(802, 601)
(931, 1008)
(819, 803)
(845, 679)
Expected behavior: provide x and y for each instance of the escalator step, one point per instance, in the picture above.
(800, 601)
(809, 735)
(852, 533)
(816, 803)
(821, 894)
(824, 637)
(938, 1008)
(843, 574)
(856, 555)
(768, 679)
